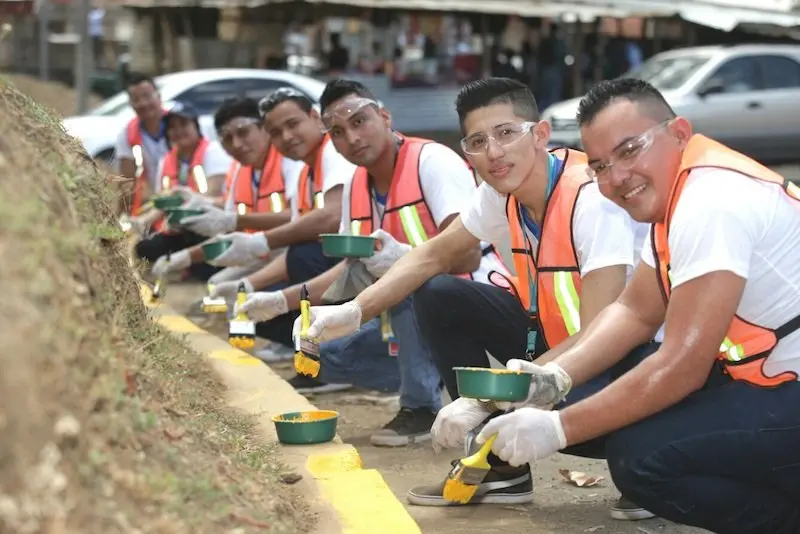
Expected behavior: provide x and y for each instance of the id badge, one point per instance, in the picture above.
(530, 350)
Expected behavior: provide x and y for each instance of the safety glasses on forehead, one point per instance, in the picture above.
(238, 129)
(276, 97)
(346, 110)
(503, 134)
(625, 156)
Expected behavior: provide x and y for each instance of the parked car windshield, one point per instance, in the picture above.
(671, 72)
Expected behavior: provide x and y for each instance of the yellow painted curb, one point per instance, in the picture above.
(361, 499)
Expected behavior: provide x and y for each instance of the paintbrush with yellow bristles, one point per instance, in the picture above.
(241, 330)
(306, 356)
(468, 473)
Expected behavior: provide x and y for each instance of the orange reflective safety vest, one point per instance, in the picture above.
(406, 215)
(135, 142)
(171, 168)
(555, 269)
(309, 186)
(746, 346)
(271, 193)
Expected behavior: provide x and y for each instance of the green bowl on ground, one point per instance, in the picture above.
(347, 246)
(492, 384)
(176, 215)
(305, 428)
(214, 250)
(168, 201)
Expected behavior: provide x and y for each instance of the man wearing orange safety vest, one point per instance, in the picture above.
(295, 130)
(404, 192)
(141, 144)
(573, 251)
(704, 431)
(193, 163)
(259, 180)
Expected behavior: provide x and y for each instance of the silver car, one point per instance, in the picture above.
(746, 96)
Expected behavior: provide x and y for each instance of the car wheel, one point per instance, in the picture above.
(106, 156)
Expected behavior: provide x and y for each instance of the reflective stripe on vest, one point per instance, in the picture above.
(746, 345)
(197, 176)
(413, 229)
(135, 142)
(310, 199)
(555, 271)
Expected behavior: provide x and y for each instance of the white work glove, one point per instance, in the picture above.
(178, 261)
(264, 306)
(391, 250)
(213, 222)
(193, 200)
(455, 420)
(331, 322)
(525, 435)
(245, 249)
(549, 384)
(228, 290)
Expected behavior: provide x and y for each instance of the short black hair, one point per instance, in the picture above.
(607, 92)
(135, 78)
(285, 94)
(482, 93)
(233, 108)
(340, 88)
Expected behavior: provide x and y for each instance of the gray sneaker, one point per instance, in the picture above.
(627, 510)
(408, 426)
(274, 353)
(502, 485)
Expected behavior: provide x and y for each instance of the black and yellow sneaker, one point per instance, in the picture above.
(502, 485)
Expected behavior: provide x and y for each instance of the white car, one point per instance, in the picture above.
(205, 89)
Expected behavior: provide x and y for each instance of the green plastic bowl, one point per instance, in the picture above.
(347, 246)
(216, 249)
(492, 384)
(176, 215)
(305, 428)
(168, 201)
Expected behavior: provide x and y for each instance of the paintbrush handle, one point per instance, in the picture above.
(305, 311)
(486, 448)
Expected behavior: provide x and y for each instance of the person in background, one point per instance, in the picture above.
(141, 144)
(194, 163)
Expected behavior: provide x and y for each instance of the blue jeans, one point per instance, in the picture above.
(363, 359)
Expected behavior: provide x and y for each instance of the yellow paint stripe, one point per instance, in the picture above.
(179, 324)
(366, 505)
(324, 465)
(361, 497)
(235, 356)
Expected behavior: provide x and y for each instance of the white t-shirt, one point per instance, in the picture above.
(336, 170)
(603, 233)
(154, 150)
(725, 221)
(215, 161)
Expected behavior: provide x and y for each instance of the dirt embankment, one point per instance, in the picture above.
(107, 423)
(55, 95)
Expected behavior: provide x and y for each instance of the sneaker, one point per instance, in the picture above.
(275, 353)
(627, 510)
(306, 384)
(502, 485)
(408, 426)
